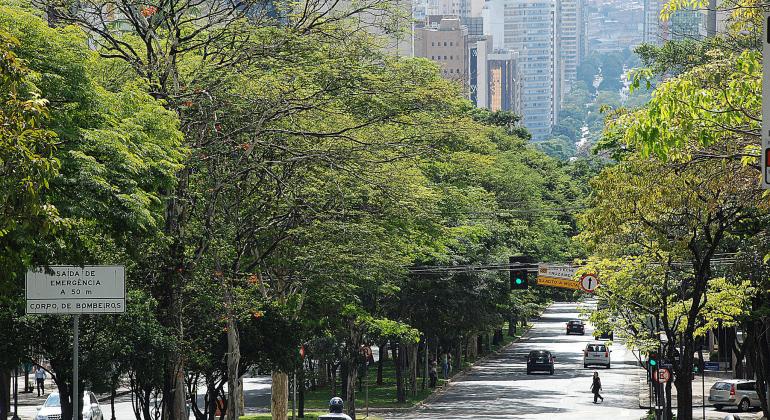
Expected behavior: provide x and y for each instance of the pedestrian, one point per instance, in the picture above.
(445, 364)
(596, 386)
(433, 373)
(449, 362)
(40, 379)
(336, 408)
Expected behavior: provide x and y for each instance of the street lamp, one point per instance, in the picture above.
(16, 394)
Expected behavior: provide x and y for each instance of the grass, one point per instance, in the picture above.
(383, 396)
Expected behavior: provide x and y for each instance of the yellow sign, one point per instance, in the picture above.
(557, 282)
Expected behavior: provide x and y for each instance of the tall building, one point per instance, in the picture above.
(652, 32)
(479, 50)
(504, 91)
(685, 24)
(572, 38)
(531, 29)
(447, 44)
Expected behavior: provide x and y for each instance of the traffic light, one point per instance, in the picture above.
(653, 360)
(519, 279)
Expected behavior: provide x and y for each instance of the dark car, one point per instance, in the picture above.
(576, 326)
(540, 360)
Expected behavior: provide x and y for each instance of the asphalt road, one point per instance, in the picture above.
(499, 387)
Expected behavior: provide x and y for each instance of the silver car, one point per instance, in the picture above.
(51, 409)
(739, 393)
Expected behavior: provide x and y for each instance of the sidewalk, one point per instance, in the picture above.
(698, 385)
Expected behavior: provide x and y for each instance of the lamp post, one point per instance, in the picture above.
(15, 394)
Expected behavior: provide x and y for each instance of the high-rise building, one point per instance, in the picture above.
(479, 50)
(504, 81)
(447, 44)
(653, 27)
(685, 24)
(531, 30)
(572, 38)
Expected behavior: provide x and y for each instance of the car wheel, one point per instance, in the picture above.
(608, 365)
(718, 407)
(585, 366)
(744, 405)
(551, 372)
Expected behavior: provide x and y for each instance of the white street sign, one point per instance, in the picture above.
(589, 282)
(661, 375)
(566, 272)
(765, 151)
(65, 289)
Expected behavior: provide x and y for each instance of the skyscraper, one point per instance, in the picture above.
(531, 30)
(572, 27)
(652, 31)
(445, 43)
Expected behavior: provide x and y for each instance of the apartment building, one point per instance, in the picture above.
(446, 43)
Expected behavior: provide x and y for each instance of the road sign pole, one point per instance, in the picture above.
(75, 351)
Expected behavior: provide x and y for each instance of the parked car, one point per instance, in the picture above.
(739, 393)
(576, 326)
(51, 408)
(540, 360)
(596, 354)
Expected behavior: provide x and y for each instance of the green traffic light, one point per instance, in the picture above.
(653, 362)
(518, 281)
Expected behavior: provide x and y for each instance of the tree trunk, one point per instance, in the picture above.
(112, 402)
(233, 411)
(397, 353)
(413, 367)
(350, 390)
(5, 393)
(684, 385)
(383, 355)
(279, 398)
(301, 393)
(457, 359)
(512, 326)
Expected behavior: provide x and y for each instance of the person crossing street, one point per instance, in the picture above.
(596, 386)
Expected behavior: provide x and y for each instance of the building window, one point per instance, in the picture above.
(444, 57)
(445, 43)
(432, 44)
(451, 70)
(432, 57)
(450, 43)
(451, 57)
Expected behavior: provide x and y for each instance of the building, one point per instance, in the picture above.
(504, 83)
(531, 29)
(652, 32)
(685, 24)
(479, 50)
(572, 38)
(446, 43)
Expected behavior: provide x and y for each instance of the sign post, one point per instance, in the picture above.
(66, 289)
(765, 151)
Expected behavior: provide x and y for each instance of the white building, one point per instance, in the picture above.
(531, 29)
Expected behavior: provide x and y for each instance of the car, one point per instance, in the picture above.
(576, 326)
(51, 408)
(741, 393)
(540, 360)
(596, 354)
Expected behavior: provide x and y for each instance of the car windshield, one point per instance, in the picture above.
(52, 401)
(575, 322)
(598, 347)
(538, 354)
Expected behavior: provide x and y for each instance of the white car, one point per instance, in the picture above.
(51, 409)
(596, 354)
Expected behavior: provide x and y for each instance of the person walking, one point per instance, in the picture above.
(40, 380)
(445, 364)
(596, 386)
(433, 373)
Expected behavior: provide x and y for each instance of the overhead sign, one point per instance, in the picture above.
(711, 366)
(765, 151)
(64, 289)
(589, 282)
(557, 276)
(661, 375)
